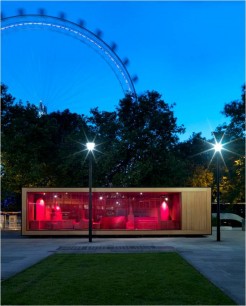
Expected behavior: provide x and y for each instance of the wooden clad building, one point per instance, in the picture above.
(117, 211)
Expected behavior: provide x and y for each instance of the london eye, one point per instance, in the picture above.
(64, 59)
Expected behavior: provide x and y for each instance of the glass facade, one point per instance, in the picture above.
(111, 211)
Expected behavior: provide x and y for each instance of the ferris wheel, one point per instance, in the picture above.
(53, 45)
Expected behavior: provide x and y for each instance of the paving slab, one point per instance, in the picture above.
(223, 262)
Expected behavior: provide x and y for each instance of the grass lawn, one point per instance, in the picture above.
(112, 279)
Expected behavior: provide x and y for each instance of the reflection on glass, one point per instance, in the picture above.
(111, 211)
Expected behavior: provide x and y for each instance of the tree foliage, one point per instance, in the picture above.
(39, 151)
(138, 139)
(235, 110)
(233, 182)
(137, 145)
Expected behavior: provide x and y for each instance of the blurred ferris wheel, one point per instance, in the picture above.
(62, 64)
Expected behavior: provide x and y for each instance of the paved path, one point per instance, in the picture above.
(223, 263)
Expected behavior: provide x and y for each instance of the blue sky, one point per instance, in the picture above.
(192, 53)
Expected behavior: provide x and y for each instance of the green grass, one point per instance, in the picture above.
(112, 279)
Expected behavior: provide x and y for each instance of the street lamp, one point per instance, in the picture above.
(217, 148)
(90, 147)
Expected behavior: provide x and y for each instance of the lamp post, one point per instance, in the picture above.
(90, 147)
(218, 148)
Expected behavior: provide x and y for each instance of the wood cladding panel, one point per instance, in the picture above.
(196, 210)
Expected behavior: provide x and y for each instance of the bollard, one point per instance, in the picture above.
(243, 224)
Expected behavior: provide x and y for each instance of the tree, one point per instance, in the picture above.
(201, 177)
(235, 110)
(7, 100)
(65, 164)
(17, 121)
(105, 128)
(196, 158)
(233, 184)
(40, 151)
(138, 143)
(140, 137)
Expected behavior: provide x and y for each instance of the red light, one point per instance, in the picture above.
(164, 211)
(57, 207)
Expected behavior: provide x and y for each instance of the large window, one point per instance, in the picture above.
(111, 211)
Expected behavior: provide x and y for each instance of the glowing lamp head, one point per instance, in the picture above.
(90, 146)
(164, 205)
(218, 147)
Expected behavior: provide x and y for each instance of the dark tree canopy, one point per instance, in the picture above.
(137, 145)
(138, 139)
(235, 110)
(40, 151)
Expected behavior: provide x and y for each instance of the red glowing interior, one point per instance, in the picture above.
(111, 211)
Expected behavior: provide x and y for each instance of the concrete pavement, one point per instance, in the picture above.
(223, 263)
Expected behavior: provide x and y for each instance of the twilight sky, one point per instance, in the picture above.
(192, 53)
